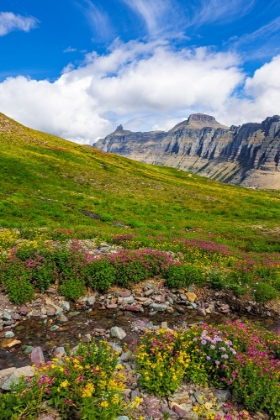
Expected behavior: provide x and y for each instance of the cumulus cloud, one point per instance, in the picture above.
(144, 86)
(11, 22)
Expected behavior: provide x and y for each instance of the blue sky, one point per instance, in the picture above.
(78, 68)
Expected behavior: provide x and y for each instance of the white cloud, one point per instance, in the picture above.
(159, 16)
(144, 86)
(98, 19)
(209, 11)
(10, 22)
(69, 49)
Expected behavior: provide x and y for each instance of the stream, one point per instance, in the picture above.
(37, 332)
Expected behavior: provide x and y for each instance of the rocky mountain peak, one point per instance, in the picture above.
(120, 131)
(201, 118)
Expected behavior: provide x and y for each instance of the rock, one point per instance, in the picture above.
(51, 290)
(6, 315)
(62, 318)
(9, 334)
(148, 293)
(37, 356)
(261, 416)
(7, 372)
(160, 307)
(154, 413)
(112, 306)
(126, 356)
(147, 302)
(27, 371)
(23, 310)
(65, 305)
(125, 293)
(15, 316)
(122, 418)
(178, 409)
(50, 311)
(128, 300)
(54, 328)
(91, 300)
(164, 325)
(199, 397)
(117, 332)
(28, 349)
(6, 386)
(115, 347)
(222, 395)
(191, 296)
(10, 342)
(59, 352)
(133, 308)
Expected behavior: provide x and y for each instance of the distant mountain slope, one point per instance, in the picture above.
(247, 155)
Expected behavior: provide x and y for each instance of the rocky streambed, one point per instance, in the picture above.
(40, 330)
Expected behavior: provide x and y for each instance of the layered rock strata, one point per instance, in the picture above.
(246, 155)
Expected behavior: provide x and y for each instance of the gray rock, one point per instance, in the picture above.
(62, 318)
(91, 300)
(115, 347)
(7, 372)
(222, 395)
(59, 352)
(9, 334)
(65, 305)
(27, 371)
(54, 328)
(6, 315)
(122, 418)
(117, 332)
(128, 300)
(6, 386)
(159, 307)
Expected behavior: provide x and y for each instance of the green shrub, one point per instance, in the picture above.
(264, 292)
(130, 272)
(100, 274)
(72, 288)
(216, 281)
(238, 289)
(19, 290)
(182, 275)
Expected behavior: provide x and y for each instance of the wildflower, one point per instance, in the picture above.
(104, 404)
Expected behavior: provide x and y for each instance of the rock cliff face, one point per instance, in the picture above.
(247, 155)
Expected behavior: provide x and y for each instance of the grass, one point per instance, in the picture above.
(47, 182)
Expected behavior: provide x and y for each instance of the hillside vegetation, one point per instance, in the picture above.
(48, 182)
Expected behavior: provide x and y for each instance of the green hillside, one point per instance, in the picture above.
(51, 183)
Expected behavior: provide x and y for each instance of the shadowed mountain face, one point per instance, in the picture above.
(246, 155)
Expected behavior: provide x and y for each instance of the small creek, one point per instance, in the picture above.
(36, 332)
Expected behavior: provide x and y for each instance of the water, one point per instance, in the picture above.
(36, 332)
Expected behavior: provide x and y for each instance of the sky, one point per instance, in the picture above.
(79, 68)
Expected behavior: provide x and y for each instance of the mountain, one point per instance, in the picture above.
(246, 155)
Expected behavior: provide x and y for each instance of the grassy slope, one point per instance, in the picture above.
(46, 181)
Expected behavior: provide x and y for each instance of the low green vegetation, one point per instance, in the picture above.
(66, 190)
(33, 266)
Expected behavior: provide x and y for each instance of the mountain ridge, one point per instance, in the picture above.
(246, 155)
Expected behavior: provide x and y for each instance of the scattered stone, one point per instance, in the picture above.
(10, 342)
(223, 395)
(148, 293)
(6, 386)
(54, 328)
(59, 352)
(159, 307)
(191, 296)
(62, 318)
(23, 310)
(6, 315)
(117, 332)
(28, 349)
(7, 372)
(9, 334)
(27, 371)
(65, 305)
(37, 356)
